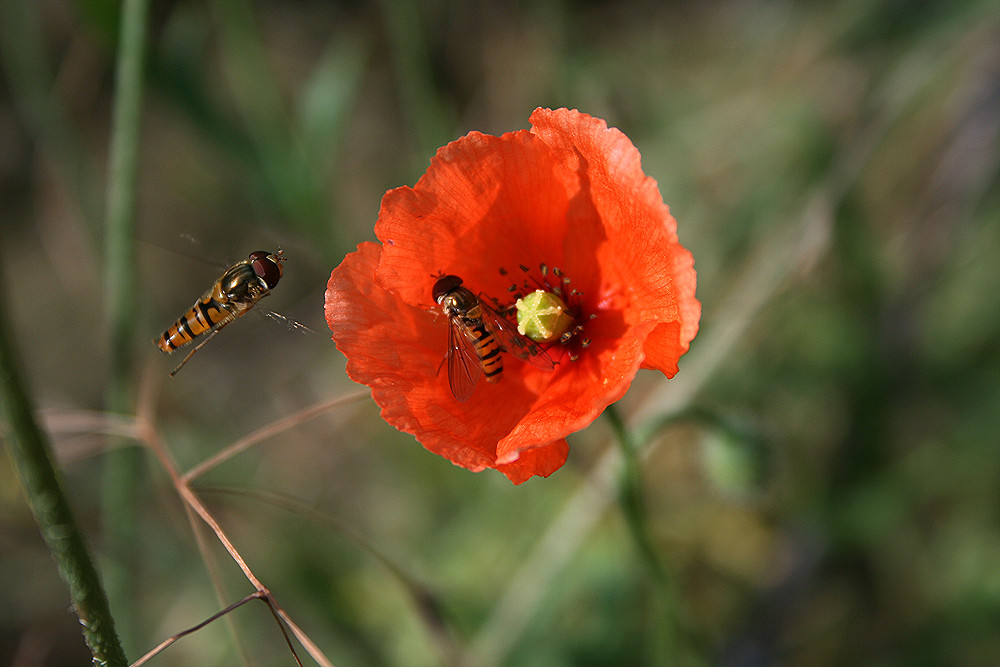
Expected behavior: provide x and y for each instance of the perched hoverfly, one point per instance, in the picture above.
(477, 335)
(233, 294)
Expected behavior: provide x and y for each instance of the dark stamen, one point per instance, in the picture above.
(572, 340)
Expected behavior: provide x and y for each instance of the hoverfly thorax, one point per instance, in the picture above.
(456, 300)
(253, 278)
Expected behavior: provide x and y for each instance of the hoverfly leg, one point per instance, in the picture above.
(190, 354)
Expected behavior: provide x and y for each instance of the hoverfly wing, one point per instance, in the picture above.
(288, 323)
(464, 367)
(520, 346)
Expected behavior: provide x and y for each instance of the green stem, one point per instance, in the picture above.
(630, 494)
(669, 647)
(122, 172)
(31, 452)
(122, 477)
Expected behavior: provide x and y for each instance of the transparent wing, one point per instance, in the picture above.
(464, 367)
(520, 346)
(288, 323)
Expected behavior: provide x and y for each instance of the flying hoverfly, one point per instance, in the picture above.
(233, 294)
(477, 335)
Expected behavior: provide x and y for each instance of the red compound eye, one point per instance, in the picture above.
(444, 285)
(268, 269)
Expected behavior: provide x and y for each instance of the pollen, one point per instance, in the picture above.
(542, 316)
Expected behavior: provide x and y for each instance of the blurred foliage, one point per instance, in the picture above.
(830, 497)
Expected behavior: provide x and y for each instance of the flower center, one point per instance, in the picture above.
(550, 311)
(542, 316)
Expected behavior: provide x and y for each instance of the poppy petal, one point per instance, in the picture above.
(508, 185)
(541, 461)
(660, 276)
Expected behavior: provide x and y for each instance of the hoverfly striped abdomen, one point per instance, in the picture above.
(487, 349)
(235, 292)
(201, 317)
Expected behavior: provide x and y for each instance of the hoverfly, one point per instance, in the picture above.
(477, 335)
(233, 294)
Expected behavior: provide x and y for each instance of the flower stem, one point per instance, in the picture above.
(669, 647)
(31, 452)
(122, 469)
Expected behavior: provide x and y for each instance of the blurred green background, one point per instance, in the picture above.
(817, 486)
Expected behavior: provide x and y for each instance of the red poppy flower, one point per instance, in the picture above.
(568, 194)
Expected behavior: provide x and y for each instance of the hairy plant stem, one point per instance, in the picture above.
(31, 452)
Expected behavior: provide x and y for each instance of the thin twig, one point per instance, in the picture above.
(152, 439)
(424, 600)
(304, 639)
(268, 431)
(194, 502)
(184, 633)
(256, 595)
(279, 615)
(208, 557)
